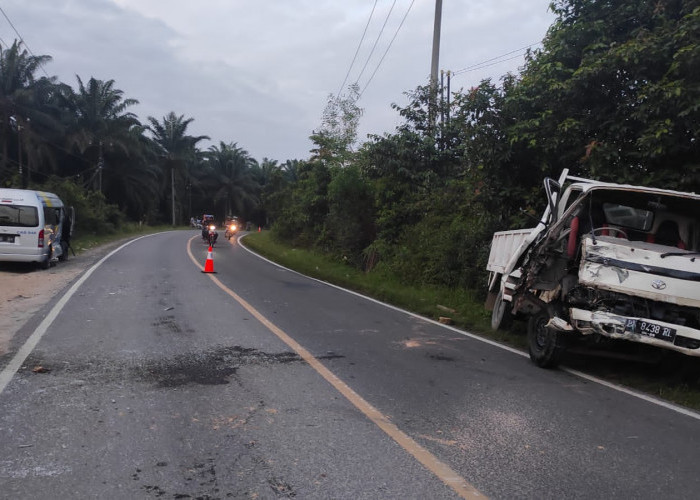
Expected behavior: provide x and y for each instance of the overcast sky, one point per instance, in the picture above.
(259, 72)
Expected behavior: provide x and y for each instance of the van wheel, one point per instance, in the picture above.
(46, 263)
(545, 345)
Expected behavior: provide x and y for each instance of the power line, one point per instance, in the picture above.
(358, 49)
(387, 49)
(494, 60)
(375, 42)
(22, 40)
(475, 68)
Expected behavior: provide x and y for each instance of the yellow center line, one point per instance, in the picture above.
(444, 472)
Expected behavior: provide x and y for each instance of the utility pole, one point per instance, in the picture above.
(449, 74)
(435, 63)
(172, 189)
(436, 44)
(100, 164)
(442, 97)
(189, 197)
(19, 155)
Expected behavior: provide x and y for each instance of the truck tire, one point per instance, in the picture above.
(545, 345)
(501, 316)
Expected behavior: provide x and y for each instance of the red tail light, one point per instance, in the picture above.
(41, 238)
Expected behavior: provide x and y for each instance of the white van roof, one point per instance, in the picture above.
(12, 196)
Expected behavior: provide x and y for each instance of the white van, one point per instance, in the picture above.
(34, 227)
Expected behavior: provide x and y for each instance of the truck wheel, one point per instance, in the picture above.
(500, 316)
(545, 345)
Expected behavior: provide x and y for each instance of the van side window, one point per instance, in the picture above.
(18, 216)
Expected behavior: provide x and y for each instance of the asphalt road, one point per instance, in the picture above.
(151, 379)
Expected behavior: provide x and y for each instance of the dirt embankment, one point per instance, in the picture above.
(25, 289)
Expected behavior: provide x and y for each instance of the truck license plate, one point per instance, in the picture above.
(7, 238)
(649, 329)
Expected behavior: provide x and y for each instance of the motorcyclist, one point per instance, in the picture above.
(232, 225)
(207, 221)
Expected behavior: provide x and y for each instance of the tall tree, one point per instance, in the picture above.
(137, 188)
(100, 125)
(291, 170)
(613, 93)
(336, 137)
(43, 136)
(175, 149)
(234, 178)
(270, 177)
(17, 99)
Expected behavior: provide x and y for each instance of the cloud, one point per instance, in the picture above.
(259, 73)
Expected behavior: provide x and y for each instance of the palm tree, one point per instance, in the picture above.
(137, 189)
(291, 170)
(264, 171)
(231, 173)
(17, 100)
(43, 130)
(175, 148)
(274, 181)
(100, 126)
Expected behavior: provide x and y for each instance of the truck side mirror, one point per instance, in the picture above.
(552, 188)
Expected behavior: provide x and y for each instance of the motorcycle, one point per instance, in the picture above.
(231, 230)
(212, 235)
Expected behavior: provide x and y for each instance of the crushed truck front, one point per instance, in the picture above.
(638, 291)
(615, 261)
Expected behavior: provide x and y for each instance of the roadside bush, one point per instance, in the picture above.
(93, 215)
(349, 226)
(447, 246)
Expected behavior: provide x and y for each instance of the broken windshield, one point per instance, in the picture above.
(634, 218)
(636, 215)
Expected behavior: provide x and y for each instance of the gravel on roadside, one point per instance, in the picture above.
(25, 288)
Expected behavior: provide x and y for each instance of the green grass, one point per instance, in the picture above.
(676, 378)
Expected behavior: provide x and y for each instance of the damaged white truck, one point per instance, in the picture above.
(604, 261)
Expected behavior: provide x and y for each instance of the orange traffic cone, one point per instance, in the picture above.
(209, 264)
(259, 228)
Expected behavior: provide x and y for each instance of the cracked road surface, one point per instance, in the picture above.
(153, 382)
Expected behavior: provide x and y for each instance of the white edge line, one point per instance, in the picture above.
(630, 392)
(651, 399)
(20, 357)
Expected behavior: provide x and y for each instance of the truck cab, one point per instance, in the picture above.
(605, 260)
